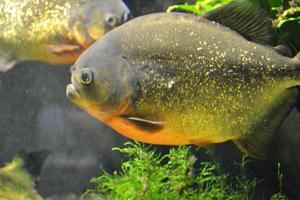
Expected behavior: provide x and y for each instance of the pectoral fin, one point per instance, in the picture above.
(6, 63)
(258, 143)
(144, 124)
(61, 48)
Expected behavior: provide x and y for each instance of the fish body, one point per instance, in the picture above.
(54, 31)
(193, 81)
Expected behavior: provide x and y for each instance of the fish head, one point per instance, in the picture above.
(102, 81)
(88, 21)
(92, 19)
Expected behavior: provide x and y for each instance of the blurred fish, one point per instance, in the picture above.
(179, 79)
(54, 31)
(16, 178)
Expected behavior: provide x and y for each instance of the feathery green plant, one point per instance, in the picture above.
(200, 7)
(279, 196)
(148, 175)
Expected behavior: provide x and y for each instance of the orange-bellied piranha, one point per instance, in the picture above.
(178, 79)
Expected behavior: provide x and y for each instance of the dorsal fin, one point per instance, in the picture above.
(248, 18)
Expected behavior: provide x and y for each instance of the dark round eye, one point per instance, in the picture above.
(111, 20)
(86, 77)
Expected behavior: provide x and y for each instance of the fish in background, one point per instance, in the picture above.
(195, 80)
(54, 31)
(18, 178)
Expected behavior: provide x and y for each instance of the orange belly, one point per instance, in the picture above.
(166, 136)
(159, 137)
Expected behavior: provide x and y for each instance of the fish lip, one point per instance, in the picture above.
(71, 91)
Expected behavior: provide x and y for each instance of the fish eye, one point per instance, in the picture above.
(111, 20)
(86, 77)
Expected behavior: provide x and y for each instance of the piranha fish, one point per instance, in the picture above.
(54, 31)
(16, 177)
(175, 79)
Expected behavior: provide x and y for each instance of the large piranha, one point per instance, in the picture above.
(55, 31)
(176, 79)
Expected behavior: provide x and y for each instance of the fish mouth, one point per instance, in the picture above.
(71, 92)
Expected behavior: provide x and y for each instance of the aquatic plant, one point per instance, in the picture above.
(200, 7)
(149, 175)
(279, 196)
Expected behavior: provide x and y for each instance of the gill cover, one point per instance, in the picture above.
(110, 85)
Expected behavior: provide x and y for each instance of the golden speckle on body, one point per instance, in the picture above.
(213, 96)
(207, 83)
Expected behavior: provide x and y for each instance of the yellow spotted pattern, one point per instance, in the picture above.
(26, 25)
(205, 81)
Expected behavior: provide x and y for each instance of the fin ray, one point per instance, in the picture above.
(145, 124)
(248, 18)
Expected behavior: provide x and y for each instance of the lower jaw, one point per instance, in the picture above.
(71, 92)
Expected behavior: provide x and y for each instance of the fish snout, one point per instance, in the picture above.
(72, 90)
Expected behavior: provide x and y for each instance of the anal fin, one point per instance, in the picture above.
(257, 144)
